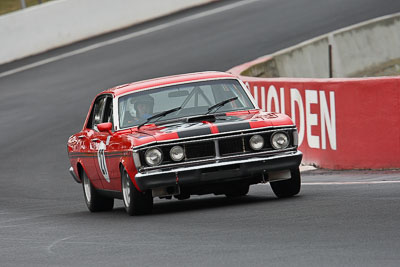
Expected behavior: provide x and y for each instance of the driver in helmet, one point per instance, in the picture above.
(139, 109)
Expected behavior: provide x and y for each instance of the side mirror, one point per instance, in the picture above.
(105, 127)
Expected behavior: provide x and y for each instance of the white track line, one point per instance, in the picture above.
(128, 36)
(52, 245)
(351, 183)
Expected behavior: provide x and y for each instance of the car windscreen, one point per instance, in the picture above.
(193, 98)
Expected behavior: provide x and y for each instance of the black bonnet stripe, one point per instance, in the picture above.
(194, 132)
(233, 126)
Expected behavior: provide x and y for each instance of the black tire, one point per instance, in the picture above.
(288, 188)
(238, 191)
(135, 202)
(94, 201)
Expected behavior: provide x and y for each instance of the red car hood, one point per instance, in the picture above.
(222, 124)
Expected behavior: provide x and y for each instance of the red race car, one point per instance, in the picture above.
(181, 135)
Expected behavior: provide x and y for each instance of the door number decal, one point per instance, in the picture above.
(102, 161)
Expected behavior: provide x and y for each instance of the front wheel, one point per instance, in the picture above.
(135, 202)
(288, 188)
(94, 201)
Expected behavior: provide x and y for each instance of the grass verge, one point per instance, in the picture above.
(7, 6)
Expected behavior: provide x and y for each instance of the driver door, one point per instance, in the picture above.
(100, 144)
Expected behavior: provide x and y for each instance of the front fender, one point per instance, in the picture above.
(128, 164)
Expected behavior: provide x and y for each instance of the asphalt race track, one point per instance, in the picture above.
(339, 219)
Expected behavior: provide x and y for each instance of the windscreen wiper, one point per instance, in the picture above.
(159, 115)
(221, 104)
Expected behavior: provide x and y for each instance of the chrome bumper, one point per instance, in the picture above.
(219, 171)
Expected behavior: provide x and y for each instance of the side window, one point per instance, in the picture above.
(101, 112)
(108, 111)
(98, 111)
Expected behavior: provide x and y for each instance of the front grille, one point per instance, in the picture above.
(231, 146)
(227, 146)
(200, 150)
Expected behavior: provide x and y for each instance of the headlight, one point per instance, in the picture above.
(176, 153)
(280, 140)
(153, 156)
(256, 142)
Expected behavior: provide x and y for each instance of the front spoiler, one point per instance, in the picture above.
(218, 171)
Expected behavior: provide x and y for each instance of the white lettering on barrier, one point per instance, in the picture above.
(272, 95)
(256, 94)
(329, 121)
(282, 100)
(295, 97)
(307, 119)
(263, 98)
(312, 119)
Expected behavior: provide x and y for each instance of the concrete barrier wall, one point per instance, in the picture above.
(355, 49)
(347, 123)
(344, 123)
(367, 45)
(53, 24)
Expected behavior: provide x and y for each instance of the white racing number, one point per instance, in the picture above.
(102, 161)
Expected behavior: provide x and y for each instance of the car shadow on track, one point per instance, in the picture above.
(208, 203)
(162, 207)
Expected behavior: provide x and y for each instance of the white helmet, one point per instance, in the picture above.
(130, 107)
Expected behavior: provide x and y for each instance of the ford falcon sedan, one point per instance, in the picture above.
(177, 136)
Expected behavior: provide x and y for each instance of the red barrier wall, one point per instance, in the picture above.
(343, 123)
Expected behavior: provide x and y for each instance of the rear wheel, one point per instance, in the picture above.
(94, 201)
(135, 202)
(288, 188)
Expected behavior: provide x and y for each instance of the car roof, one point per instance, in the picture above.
(169, 80)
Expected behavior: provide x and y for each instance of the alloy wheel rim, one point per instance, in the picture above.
(126, 190)
(86, 186)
